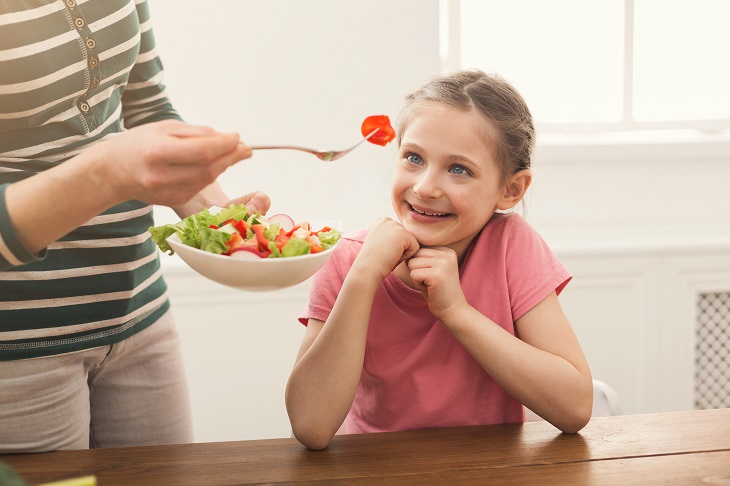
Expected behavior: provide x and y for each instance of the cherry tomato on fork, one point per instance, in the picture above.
(384, 135)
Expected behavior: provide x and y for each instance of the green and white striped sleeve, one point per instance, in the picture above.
(12, 251)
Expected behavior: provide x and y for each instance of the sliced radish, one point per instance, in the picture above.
(285, 222)
(245, 253)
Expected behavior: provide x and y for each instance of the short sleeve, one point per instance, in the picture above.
(533, 269)
(326, 283)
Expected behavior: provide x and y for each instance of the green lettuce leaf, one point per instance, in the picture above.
(195, 230)
(329, 238)
(295, 247)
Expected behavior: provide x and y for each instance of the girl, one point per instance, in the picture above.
(449, 316)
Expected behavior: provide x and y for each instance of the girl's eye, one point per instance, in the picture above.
(459, 170)
(413, 158)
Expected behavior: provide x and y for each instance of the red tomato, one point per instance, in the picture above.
(258, 230)
(384, 135)
(281, 240)
(235, 241)
(294, 228)
(240, 225)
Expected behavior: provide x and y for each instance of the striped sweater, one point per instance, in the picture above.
(71, 73)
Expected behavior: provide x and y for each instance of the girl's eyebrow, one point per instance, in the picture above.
(462, 160)
(411, 145)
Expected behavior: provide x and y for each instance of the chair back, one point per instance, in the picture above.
(605, 402)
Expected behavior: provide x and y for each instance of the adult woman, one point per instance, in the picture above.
(88, 141)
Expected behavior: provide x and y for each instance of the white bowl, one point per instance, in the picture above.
(257, 274)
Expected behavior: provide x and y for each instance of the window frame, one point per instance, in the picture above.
(450, 52)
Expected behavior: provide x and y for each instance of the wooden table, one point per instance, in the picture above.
(676, 448)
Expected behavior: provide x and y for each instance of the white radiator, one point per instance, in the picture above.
(712, 351)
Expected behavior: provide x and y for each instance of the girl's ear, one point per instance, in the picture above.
(515, 189)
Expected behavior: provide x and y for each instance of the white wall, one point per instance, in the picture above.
(289, 71)
(644, 229)
(303, 73)
(308, 72)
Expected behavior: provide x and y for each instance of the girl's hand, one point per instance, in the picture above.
(165, 162)
(435, 272)
(386, 245)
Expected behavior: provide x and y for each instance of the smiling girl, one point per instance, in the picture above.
(450, 315)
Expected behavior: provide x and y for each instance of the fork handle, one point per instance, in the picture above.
(277, 147)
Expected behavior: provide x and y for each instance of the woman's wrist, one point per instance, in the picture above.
(95, 168)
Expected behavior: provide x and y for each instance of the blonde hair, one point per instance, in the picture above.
(494, 98)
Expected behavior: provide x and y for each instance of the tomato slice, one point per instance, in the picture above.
(235, 241)
(258, 230)
(281, 240)
(384, 135)
(240, 225)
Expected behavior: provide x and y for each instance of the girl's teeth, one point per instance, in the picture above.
(428, 214)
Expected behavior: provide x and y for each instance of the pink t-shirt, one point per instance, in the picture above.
(416, 375)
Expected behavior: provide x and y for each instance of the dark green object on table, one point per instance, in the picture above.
(8, 477)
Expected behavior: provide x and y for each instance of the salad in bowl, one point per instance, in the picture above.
(247, 251)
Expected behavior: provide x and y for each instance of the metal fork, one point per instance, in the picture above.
(327, 156)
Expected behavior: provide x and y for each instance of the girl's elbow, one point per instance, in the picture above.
(575, 424)
(577, 418)
(311, 437)
(309, 429)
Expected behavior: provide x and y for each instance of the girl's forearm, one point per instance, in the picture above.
(550, 385)
(324, 380)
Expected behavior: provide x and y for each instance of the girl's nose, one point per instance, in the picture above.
(427, 185)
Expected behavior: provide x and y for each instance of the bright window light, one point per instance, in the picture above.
(681, 62)
(617, 64)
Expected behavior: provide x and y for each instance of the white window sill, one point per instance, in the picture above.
(642, 144)
(637, 242)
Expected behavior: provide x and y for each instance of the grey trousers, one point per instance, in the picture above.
(131, 393)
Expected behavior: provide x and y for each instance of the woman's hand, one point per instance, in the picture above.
(165, 163)
(168, 163)
(254, 201)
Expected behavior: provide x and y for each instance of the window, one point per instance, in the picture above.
(601, 64)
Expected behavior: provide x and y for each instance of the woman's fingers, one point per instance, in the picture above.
(182, 129)
(184, 143)
(170, 161)
(255, 201)
(200, 150)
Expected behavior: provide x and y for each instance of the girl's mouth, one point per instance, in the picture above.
(426, 212)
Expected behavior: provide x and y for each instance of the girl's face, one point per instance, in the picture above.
(447, 181)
